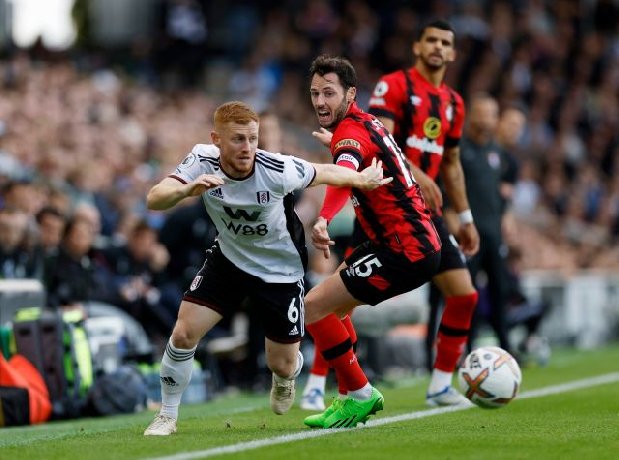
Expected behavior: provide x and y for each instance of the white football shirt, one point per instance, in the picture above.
(258, 228)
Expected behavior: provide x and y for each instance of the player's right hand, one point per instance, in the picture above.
(202, 184)
(373, 176)
(320, 237)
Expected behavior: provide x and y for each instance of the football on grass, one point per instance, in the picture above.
(490, 377)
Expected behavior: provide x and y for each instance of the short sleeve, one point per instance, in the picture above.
(386, 100)
(348, 144)
(196, 163)
(298, 173)
(457, 122)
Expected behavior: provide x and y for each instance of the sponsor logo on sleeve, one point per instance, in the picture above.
(348, 157)
(347, 143)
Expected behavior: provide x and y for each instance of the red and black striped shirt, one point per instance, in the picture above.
(395, 214)
(427, 118)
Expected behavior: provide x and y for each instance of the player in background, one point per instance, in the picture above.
(426, 118)
(260, 246)
(402, 251)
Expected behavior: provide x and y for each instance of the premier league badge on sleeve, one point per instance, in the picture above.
(263, 197)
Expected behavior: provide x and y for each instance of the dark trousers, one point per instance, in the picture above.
(491, 260)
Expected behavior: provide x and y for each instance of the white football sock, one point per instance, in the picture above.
(362, 393)
(175, 373)
(296, 372)
(315, 382)
(440, 379)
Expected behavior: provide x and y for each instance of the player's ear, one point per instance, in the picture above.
(351, 94)
(215, 138)
(416, 49)
(451, 55)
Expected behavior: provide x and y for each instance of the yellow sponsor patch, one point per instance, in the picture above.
(347, 143)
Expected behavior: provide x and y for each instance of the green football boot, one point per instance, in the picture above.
(352, 411)
(318, 420)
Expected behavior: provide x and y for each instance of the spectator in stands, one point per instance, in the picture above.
(71, 277)
(17, 259)
(138, 286)
(51, 225)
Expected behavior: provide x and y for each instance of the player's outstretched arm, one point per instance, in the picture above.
(368, 179)
(170, 191)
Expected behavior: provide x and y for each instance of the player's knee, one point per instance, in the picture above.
(183, 337)
(283, 366)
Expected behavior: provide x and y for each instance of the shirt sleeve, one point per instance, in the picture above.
(298, 173)
(455, 130)
(348, 146)
(335, 200)
(192, 165)
(386, 100)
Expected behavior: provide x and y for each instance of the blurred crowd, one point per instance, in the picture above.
(82, 140)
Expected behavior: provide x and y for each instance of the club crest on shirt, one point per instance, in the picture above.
(195, 283)
(263, 197)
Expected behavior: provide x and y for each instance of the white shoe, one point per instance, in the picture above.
(282, 395)
(447, 397)
(313, 399)
(161, 426)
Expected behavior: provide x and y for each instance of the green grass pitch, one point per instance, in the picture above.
(581, 423)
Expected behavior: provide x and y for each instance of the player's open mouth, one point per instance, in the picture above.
(323, 115)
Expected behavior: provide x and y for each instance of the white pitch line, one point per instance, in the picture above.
(303, 435)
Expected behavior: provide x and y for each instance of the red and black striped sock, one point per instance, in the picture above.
(454, 330)
(333, 341)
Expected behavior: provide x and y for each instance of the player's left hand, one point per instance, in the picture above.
(373, 176)
(320, 237)
(468, 239)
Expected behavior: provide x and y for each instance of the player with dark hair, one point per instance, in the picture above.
(402, 251)
(426, 118)
(259, 253)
